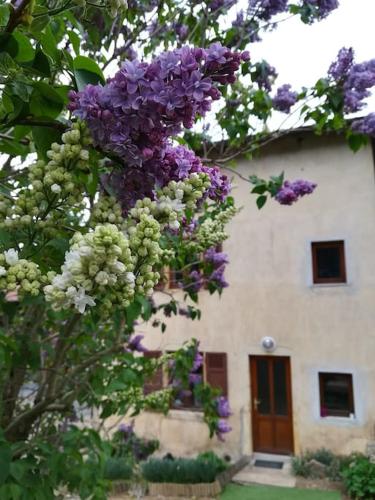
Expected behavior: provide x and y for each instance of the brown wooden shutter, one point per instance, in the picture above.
(154, 383)
(216, 371)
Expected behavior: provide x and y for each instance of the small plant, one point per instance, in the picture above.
(117, 468)
(322, 455)
(359, 478)
(301, 467)
(211, 458)
(180, 470)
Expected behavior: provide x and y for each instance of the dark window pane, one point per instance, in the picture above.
(279, 385)
(336, 394)
(264, 406)
(328, 260)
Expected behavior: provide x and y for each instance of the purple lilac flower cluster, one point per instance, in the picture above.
(355, 79)
(223, 408)
(136, 112)
(340, 68)
(223, 411)
(264, 75)
(144, 104)
(292, 191)
(215, 5)
(323, 7)
(265, 9)
(284, 99)
(365, 125)
(218, 260)
(135, 344)
(222, 428)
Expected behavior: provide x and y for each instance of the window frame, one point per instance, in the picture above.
(336, 413)
(315, 245)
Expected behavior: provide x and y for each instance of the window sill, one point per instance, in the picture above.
(328, 285)
(344, 421)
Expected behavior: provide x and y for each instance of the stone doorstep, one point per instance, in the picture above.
(269, 477)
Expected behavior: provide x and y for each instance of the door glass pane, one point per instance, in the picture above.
(263, 397)
(279, 385)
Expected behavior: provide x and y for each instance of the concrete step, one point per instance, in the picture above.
(267, 476)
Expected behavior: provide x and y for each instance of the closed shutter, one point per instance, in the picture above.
(154, 383)
(216, 371)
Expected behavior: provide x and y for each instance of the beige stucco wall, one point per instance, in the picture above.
(322, 328)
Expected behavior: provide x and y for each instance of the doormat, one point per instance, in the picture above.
(269, 464)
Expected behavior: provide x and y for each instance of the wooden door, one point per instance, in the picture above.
(271, 396)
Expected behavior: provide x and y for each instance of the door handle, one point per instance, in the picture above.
(256, 403)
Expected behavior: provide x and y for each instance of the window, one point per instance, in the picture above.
(328, 260)
(175, 277)
(155, 382)
(336, 394)
(214, 372)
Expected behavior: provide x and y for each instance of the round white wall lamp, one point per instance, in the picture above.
(268, 344)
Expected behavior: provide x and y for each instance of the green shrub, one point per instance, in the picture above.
(322, 455)
(359, 478)
(301, 467)
(117, 468)
(215, 460)
(180, 470)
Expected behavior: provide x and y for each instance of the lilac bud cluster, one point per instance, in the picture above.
(284, 99)
(292, 191)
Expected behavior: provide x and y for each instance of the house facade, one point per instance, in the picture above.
(291, 341)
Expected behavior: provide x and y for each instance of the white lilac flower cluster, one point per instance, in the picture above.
(211, 232)
(51, 185)
(99, 266)
(19, 275)
(144, 240)
(106, 210)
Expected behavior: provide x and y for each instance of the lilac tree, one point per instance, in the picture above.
(107, 181)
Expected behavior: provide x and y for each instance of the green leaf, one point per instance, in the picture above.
(39, 23)
(43, 138)
(5, 460)
(49, 44)
(75, 41)
(45, 101)
(14, 148)
(261, 200)
(25, 50)
(356, 141)
(262, 188)
(4, 15)
(132, 313)
(41, 63)
(87, 71)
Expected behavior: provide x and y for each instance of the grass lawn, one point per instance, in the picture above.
(237, 492)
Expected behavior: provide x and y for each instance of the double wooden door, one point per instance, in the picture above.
(271, 396)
